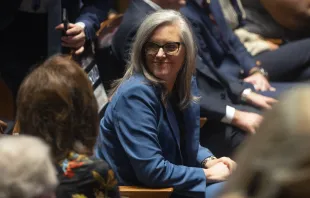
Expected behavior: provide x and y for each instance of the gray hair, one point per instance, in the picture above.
(26, 167)
(136, 63)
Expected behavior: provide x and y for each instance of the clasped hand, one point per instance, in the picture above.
(75, 37)
(219, 169)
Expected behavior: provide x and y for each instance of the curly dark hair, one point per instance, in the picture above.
(56, 103)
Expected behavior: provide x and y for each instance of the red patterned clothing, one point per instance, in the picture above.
(81, 176)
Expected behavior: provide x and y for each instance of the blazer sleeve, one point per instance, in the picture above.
(203, 153)
(245, 59)
(92, 13)
(136, 113)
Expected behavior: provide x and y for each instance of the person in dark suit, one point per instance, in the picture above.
(233, 113)
(25, 27)
(291, 55)
(150, 132)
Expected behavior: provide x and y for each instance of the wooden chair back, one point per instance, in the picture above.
(139, 192)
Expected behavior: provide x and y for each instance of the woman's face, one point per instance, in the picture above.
(165, 53)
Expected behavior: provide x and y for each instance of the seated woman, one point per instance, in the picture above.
(275, 163)
(56, 103)
(150, 132)
(27, 170)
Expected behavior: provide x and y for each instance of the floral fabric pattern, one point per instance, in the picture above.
(81, 176)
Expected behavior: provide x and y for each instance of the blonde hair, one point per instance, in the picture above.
(276, 161)
(136, 63)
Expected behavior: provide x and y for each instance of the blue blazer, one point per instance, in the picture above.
(140, 139)
(92, 13)
(217, 42)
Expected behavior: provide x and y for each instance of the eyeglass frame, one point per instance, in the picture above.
(163, 47)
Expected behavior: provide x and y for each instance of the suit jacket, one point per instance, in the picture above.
(92, 13)
(132, 19)
(217, 40)
(140, 139)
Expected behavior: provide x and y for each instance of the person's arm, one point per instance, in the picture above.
(292, 14)
(136, 122)
(245, 59)
(92, 14)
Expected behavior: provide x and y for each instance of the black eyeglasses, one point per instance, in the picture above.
(170, 48)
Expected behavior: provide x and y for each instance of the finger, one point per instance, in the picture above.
(60, 27)
(267, 106)
(73, 45)
(271, 100)
(74, 39)
(251, 130)
(264, 87)
(79, 51)
(227, 162)
(74, 30)
(272, 89)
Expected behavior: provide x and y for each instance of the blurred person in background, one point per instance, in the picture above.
(275, 163)
(27, 170)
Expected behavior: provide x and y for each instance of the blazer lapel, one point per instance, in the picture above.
(218, 15)
(191, 119)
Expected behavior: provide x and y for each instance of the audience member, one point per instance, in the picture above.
(132, 19)
(235, 110)
(150, 132)
(284, 19)
(27, 170)
(218, 91)
(27, 32)
(56, 103)
(293, 57)
(275, 162)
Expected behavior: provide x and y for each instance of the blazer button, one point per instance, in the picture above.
(223, 96)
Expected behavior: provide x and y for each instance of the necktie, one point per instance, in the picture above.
(54, 19)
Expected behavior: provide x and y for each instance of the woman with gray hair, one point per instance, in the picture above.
(150, 132)
(26, 168)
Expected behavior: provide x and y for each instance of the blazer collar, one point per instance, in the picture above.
(143, 7)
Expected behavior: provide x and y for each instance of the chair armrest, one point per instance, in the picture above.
(203, 120)
(141, 192)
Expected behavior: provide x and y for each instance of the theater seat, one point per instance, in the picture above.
(139, 192)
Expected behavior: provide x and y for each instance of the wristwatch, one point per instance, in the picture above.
(261, 71)
(205, 161)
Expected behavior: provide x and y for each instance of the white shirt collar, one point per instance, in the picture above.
(152, 4)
